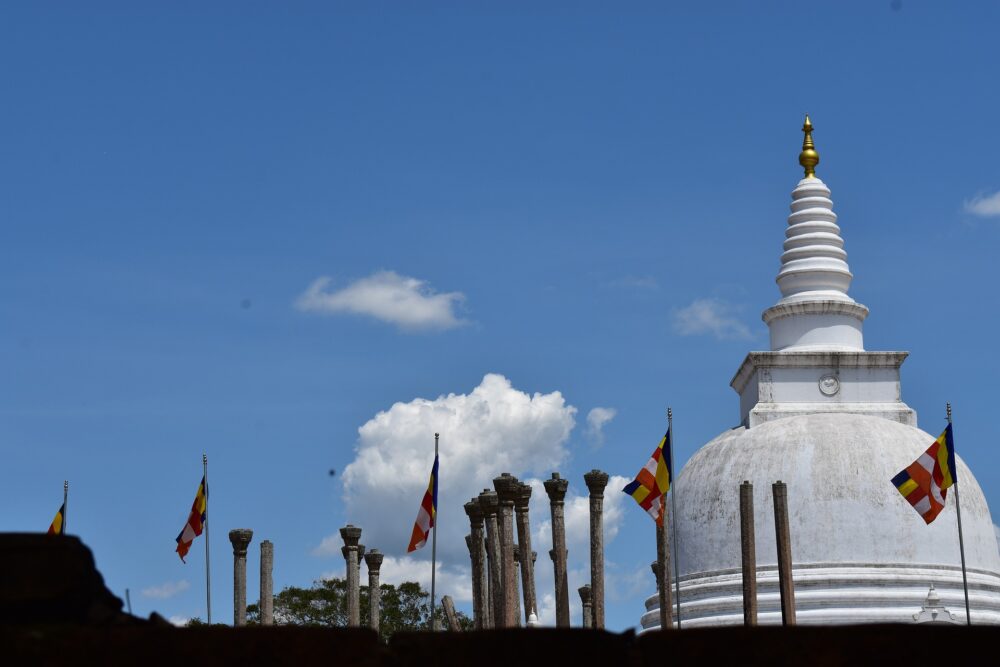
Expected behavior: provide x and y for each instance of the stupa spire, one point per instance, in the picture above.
(808, 158)
(815, 311)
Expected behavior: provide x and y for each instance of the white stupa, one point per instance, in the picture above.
(825, 416)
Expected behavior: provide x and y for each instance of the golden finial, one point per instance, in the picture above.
(808, 158)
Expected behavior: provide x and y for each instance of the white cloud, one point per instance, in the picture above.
(985, 206)
(596, 419)
(179, 621)
(495, 428)
(167, 590)
(709, 316)
(636, 282)
(408, 303)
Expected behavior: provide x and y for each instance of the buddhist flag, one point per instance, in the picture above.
(58, 523)
(924, 483)
(427, 513)
(196, 521)
(653, 481)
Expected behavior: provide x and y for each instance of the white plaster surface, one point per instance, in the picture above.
(861, 553)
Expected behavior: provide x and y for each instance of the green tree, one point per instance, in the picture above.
(404, 607)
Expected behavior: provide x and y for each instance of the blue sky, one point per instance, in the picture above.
(535, 191)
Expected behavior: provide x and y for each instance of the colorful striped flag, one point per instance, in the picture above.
(652, 483)
(924, 483)
(196, 521)
(58, 523)
(427, 513)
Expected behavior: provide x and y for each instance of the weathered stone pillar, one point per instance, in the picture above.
(477, 553)
(517, 585)
(587, 603)
(596, 482)
(266, 583)
(449, 613)
(490, 504)
(521, 500)
(373, 559)
(783, 537)
(663, 585)
(506, 486)
(749, 555)
(240, 538)
(351, 535)
(555, 488)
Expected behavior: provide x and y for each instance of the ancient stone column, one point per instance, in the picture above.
(373, 559)
(477, 553)
(521, 499)
(351, 535)
(506, 488)
(596, 482)
(240, 537)
(517, 585)
(749, 555)
(588, 610)
(490, 504)
(449, 613)
(266, 583)
(555, 488)
(663, 585)
(784, 540)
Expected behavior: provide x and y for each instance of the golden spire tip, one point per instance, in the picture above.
(808, 158)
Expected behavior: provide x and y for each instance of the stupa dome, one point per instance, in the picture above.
(860, 552)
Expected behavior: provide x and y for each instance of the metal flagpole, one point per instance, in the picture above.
(961, 542)
(65, 501)
(208, 569)
(673, 518)
(434, 538)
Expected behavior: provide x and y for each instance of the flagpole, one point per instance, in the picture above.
(434, 538)
(673, 518)
(961, 541)
(208, 569)
(65, 501)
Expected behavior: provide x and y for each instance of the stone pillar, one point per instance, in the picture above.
(521, 499)
(555, 488)
(783, 537)
(517, 585)
(373, 559)
(663, 584)
(266, 583)
(588, 610)
(749, 555)
(449, 613)
(506, 486)
(596, 482)
(240, 537)
(351, 535)
(477, 553)
(490, 504)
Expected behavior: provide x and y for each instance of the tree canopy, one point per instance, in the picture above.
(403, 607)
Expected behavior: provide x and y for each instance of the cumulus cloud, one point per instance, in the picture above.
(408, 303)
(167, 590)
(596, 419)
(709, 316)
(179, 621)
(494, 428)
(985, 206)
